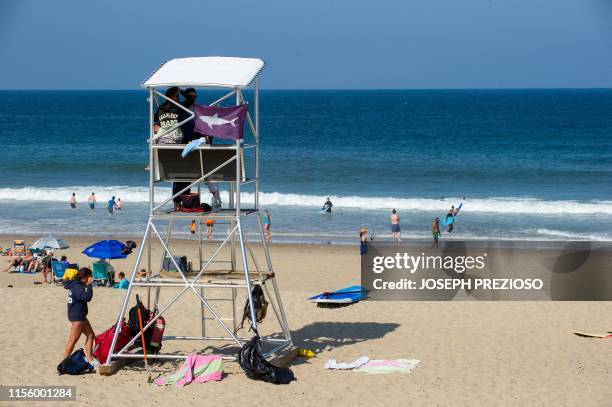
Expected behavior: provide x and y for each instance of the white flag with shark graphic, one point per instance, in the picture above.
(221, 122)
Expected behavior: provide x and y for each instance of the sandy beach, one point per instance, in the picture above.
(471, 352)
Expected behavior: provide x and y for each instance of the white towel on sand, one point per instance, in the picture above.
(332, 364)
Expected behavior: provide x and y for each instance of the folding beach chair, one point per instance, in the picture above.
(58, 269)
(100, 272)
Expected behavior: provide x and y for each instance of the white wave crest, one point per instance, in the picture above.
(509, 205)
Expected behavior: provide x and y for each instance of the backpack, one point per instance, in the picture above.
(104, 340)
(75, 364)
(261, 306)
(157, 334)
(257, 367)
(133, 323)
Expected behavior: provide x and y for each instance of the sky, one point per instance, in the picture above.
(331, 44)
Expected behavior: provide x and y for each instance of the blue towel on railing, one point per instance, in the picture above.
(192, 146)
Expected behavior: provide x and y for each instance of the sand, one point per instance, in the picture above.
(472, 353)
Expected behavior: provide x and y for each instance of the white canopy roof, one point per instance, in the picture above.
(206, 71)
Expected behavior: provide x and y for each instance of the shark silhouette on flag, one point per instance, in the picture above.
(221, 122)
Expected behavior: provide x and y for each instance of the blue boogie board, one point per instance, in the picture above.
(347, 295)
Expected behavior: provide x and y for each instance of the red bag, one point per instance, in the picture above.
(157, 334)
(104, 340)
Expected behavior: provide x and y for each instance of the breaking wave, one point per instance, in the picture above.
(500, 205)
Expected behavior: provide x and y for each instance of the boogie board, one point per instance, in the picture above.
(347, 295)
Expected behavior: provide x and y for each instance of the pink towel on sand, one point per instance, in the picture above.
(197, 368)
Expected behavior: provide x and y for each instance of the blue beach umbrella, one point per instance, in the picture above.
(106, 249)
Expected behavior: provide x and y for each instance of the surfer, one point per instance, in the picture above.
(327, 206)
(435, 232)
(395, 227)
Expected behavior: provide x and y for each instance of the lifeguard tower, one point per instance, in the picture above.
(234, 167)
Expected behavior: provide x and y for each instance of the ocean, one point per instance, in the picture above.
(531, 164)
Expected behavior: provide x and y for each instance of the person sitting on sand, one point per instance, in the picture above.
(14, 262)
(122, 283)
(435, 232)
(64, 261)
(92, 201)
(80, 292)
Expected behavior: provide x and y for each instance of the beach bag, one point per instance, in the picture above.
(75, 364)
(134, 325)
(157, 334)
(261, 306)
(104, 340)
(190, 201)
(257, 367)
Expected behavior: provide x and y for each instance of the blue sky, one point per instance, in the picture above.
(61, 44)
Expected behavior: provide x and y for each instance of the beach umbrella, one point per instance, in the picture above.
(106, 249)
(50, 242)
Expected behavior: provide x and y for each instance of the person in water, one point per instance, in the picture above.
(435, 232)
(111, 204)
(118, 204)
(327, 206)
(92, 201)
(450, 219)
(80, 292)
(267, 221)
(73, 201)
(395, 227)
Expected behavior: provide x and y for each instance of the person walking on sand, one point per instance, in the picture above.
(363, 248)
(267, 224)
(192, 229)
(73, 201)
(209, 228)
(395, 227)
(435, 232)
(80, 292)
(92, 201)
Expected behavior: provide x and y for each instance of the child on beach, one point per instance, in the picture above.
(267, 221)
(209, 228)
(80, 292)
(122, 283)
(192, 229)
(435, 231)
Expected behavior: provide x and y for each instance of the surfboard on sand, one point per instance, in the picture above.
(594, 335)
(346, 295)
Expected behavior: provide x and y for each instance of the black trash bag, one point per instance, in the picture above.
(257, 367)
(129, 246)
(261, 306)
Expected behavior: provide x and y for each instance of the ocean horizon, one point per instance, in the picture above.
(533, 164)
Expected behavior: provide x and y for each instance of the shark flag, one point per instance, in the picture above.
(221, 122)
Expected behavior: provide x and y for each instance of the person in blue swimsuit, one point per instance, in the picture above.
(267, 221)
